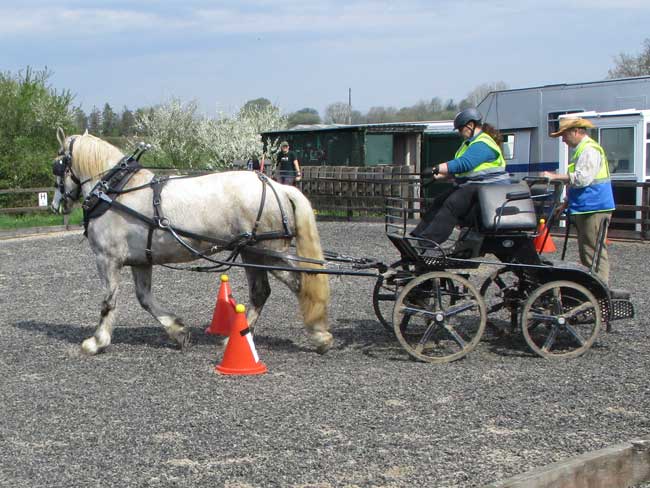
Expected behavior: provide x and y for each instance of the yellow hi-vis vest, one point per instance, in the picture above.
(598, 196)
(497, 165)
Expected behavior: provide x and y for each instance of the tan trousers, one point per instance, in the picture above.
(587, 226)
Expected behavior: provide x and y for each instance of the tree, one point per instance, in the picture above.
(95, 121)
(450, 105)
(173, 130)
(477, 95)
(337, 113)
(258, 103)
(627, 65)
(357, 117)
(109, 121)
(127, 123)
(227, 139)
(378, 115)
(306, 116)
(80, 120)
(31, 112)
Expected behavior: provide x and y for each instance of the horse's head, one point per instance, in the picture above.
(68, 186)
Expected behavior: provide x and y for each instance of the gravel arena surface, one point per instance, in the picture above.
(146, 414)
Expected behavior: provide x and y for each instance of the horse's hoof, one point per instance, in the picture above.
(324, 342)
(89, 346)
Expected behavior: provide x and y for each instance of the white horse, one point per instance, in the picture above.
(220, 206)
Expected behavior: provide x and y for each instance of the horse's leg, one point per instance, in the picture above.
(258, 292)
(109, 273)
(313, 306)
(172, 324)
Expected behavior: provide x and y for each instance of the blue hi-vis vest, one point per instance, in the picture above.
(597, 197)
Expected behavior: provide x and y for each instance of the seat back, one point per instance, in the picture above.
(515, 215)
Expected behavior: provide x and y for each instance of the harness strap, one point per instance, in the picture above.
(100, 196)
(285, 222)
(157, 183)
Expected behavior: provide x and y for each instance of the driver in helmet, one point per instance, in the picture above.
(478, 161)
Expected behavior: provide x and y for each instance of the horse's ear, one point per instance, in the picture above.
(60, 135)
(86, 133)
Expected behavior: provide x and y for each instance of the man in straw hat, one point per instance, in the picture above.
(589, 197)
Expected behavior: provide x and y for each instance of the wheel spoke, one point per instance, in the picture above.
(541, 317)
(573, 332)
(438, 303)
(411, 310)
(550, 340)
(459, 340)
(557, 300)
(425, 338)
(450, 312)
(579, 309)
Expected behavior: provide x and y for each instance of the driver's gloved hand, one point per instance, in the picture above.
(429, 172)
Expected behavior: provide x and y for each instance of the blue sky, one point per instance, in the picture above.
(307, 54)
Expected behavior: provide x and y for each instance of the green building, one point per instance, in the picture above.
(415, 144)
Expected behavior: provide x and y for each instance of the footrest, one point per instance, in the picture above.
(621, 309)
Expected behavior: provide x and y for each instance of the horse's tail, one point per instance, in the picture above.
(314, 293)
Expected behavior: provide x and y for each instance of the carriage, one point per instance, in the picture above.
(430, 300)
(427, 298)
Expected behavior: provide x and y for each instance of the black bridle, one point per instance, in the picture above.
(61, 168)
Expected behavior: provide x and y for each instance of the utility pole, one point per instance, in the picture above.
(349, 106)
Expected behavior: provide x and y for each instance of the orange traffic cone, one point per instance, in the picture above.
(544, 241)
(224, 310)
(240, 356)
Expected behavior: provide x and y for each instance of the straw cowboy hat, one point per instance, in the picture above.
(572, 123)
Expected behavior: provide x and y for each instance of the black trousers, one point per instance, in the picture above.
(446, 211)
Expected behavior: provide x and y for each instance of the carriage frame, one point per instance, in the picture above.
(430, 299)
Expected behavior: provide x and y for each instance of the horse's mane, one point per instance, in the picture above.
(91, 155)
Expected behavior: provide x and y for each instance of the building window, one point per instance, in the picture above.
(508, 146)
(618, 143)
(554, 119)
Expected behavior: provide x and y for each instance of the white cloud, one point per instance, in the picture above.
(78, 21)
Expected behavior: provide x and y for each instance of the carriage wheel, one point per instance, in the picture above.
(560, 319)
(439, 317)
(503, 295)
(386, 290)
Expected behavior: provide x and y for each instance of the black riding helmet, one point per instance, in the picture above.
(466, 116)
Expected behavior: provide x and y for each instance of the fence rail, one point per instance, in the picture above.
(349, 192)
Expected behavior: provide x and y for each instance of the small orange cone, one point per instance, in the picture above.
(240, 356)
(544, 241)
(224, 310)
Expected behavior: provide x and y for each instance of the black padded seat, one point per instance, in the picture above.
(516, 215)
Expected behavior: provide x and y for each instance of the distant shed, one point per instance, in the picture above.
(414, 144)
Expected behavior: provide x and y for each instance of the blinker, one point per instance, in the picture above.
(59, 167)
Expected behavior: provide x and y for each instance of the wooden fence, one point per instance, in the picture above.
(349, 192)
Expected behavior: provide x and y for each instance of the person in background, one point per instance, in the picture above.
(478, 161)
(589, 196)
(287, 166)
(256, 164)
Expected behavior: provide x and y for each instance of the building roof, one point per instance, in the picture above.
(417, 126)
(570, 85)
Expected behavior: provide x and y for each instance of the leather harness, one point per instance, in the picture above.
(104, 195)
